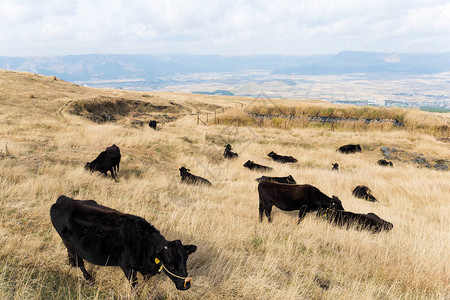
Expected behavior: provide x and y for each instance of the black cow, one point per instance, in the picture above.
(335, 167)
(228, 153)
(288, 179)
(368, 221)
(385, 163)
(152, 124)
(281, 158)
(191, 178)
(107, 237)
(347, 149)
(363, 192)
(304, 198)
(102, 164)
(114, 153)
(252, 166)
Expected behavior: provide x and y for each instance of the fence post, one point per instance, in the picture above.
(198, 117)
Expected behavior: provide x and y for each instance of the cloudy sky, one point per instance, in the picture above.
(62, 27)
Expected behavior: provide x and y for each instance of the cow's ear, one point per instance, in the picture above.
(190, 248)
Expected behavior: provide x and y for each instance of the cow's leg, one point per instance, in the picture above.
(302, 213)
(112, 173)
(261, 212)
(80, 264)
(130, 274)
(74, 259)
(268, 211)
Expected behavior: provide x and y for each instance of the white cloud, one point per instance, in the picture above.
(222, 27)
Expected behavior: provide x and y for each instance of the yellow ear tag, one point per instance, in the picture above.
(157, 261)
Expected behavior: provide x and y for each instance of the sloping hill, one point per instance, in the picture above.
(47, 134)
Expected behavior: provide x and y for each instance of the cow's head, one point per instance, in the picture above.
(88, 166)
(336, 203)
(228, 147)
(183, 171)
(248, 163)
(271, 154)
(291, 179)
(371, 198)
(172, 259)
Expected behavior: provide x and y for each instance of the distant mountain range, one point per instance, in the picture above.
(84, 68)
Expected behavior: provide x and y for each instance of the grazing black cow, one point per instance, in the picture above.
(228, 153)
(385, 163)
(335, 167)
(281, 158)
(102, 164)
(107, 237)
(114, 153)
(347, 149)
(288, 179)
(191, 178)
(290, 197)
(252, 166)
(368, 221)
(363, 192)
(152, 124)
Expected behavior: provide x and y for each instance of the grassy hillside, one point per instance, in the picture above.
(49, 129)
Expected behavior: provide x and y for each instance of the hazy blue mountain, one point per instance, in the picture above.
(373, 62)
(83, 68)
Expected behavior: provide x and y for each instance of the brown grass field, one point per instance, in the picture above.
(47, 133)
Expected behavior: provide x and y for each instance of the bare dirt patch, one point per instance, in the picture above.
(108, 109)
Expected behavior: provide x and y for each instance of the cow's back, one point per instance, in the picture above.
(291, 196)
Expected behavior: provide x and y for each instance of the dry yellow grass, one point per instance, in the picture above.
(237, 256)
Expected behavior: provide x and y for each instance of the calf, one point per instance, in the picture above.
(152, 124)
(228, 153)
(191, 178)
(288, 179)
(256, 167)
(102, 164)
(335, 167)
(385, 163)
(305, 198)
(363, 192)
(281, 158)
(368, 221)
(107, 237)
(347, 149)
